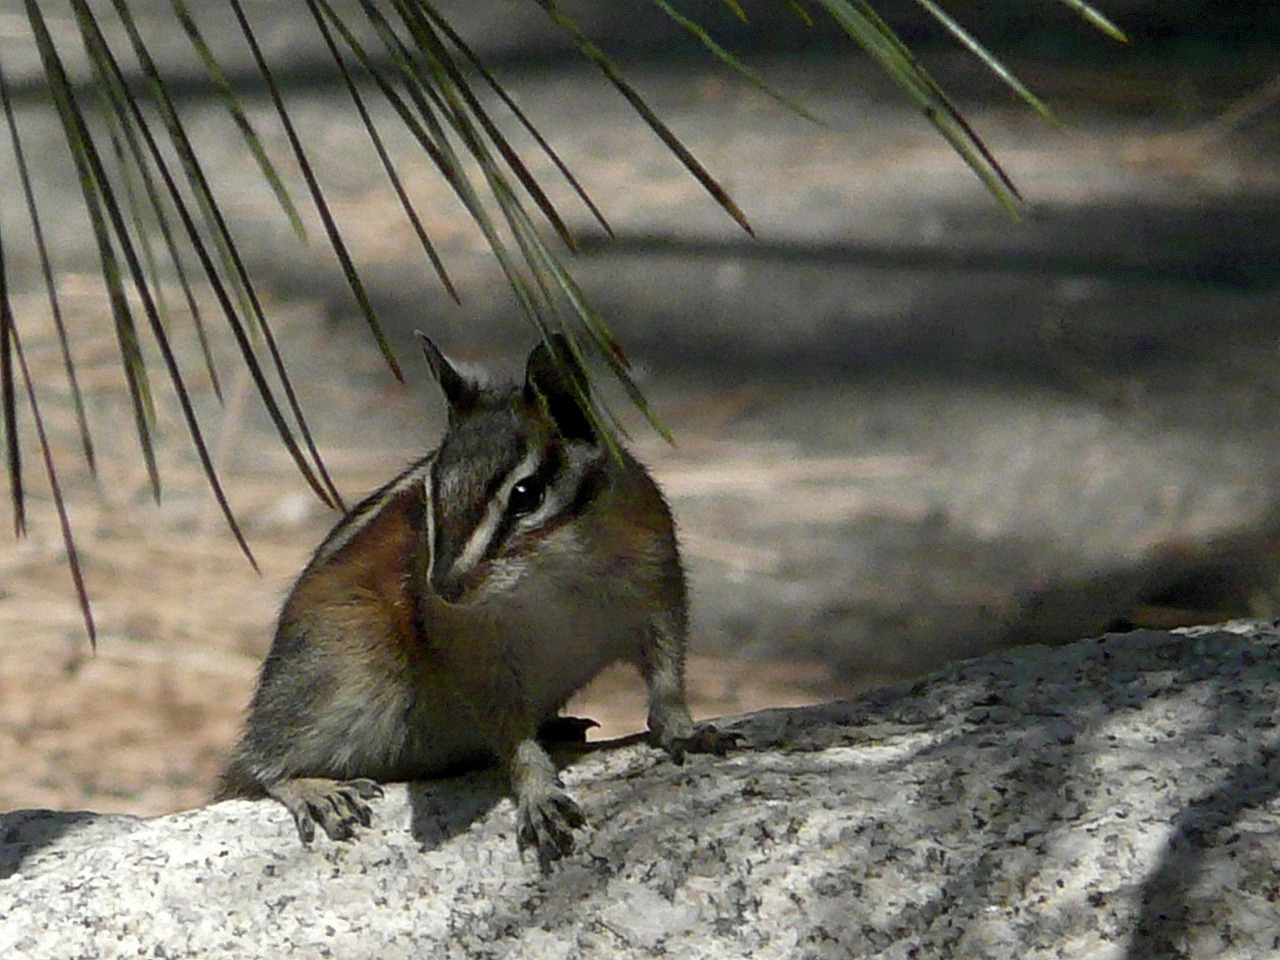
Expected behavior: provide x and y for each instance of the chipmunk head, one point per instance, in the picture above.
(516, 469)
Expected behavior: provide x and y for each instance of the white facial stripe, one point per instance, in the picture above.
(344, 535)
(483, 534)
(429, 508)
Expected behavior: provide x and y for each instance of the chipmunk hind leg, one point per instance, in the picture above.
(336, 806)
(322, 729)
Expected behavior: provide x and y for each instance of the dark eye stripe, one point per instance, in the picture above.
(548, 470)
(590, 487)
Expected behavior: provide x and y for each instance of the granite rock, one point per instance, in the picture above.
(1112, 798)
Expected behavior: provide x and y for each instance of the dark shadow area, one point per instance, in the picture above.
(991, 589)
(441, 809)
(1131, 289)
(1169, 908)
(24, 833)
(523, 38)
(1230, 243)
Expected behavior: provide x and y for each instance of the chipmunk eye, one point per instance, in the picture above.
(526, 497)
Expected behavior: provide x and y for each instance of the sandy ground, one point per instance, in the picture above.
(142, 725)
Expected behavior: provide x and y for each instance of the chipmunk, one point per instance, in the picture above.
(457, 608)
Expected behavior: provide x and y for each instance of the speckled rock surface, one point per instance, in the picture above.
(1114, 798)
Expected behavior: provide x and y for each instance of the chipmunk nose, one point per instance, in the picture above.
(448, 587)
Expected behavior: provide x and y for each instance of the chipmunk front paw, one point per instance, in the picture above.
(546, 822)
(702, 738)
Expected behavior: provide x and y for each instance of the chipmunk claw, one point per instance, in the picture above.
(704, 738)
(546, 823)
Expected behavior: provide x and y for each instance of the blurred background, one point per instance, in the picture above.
(908, 428)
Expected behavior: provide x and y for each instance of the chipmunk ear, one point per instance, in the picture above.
(461, 393)
(551, 375)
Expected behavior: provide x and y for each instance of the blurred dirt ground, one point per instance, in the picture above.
(142, 725)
